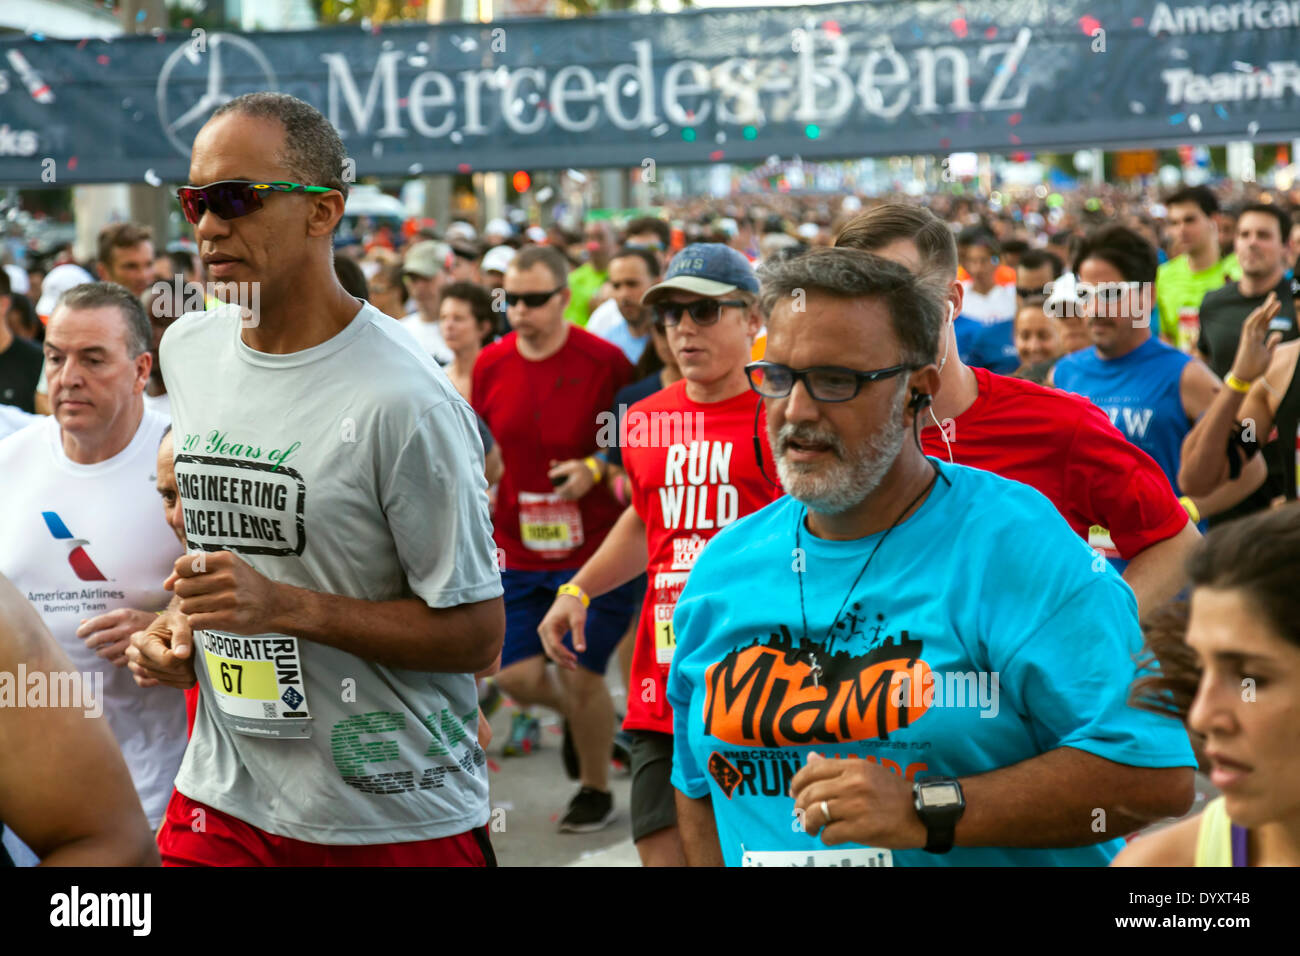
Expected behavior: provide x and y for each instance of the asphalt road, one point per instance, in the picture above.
(529, 795)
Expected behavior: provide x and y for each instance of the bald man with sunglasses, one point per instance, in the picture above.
(341, 589)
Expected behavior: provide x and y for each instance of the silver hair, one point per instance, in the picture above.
(915, 304)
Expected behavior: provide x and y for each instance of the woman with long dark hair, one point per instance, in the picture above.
(1228, 663)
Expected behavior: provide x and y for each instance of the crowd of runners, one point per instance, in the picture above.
(914, 532)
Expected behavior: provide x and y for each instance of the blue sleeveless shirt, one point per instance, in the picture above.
(1139, 392)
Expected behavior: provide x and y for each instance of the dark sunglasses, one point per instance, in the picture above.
(532, 299)
(1028, 292)
(701, 311)
(232, 198)
(825, 383)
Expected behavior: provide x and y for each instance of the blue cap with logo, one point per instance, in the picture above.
(705, 268)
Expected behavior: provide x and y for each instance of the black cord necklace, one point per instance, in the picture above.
(814, 667)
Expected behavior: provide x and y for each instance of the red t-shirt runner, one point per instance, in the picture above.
(1066, 447)
(686, 489)
(540, 412)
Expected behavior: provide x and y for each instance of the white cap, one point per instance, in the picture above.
(17, 279)
(498, 227)
(497, 259)
(536, 233)
(461, 230)
(851, 204)
(58, 281)
(729, 226)
(809, 230)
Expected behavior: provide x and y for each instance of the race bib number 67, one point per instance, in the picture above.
(257, 683)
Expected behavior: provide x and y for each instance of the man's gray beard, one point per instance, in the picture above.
(846, 482)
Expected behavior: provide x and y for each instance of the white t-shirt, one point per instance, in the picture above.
(998, 305)
(351, 468)
(14, 419)
(81, 540)
(429, 336)
(162, 404)
(608, 323)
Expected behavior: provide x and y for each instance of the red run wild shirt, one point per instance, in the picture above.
(1066, 447)
(693, 472)
(540, 412)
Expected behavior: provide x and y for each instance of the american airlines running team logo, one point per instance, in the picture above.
(77, 556)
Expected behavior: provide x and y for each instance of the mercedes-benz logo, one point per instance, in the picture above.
(221, 50)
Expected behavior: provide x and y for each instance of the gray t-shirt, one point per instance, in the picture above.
(352, 468)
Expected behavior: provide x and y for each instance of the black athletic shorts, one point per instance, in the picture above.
(653, 803)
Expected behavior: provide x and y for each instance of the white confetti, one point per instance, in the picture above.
(1242, 67)
(1178, 53)
(1252, 129)
(415, 169)
(418, 61)
(468, 45)
(126, 103)
(1194, 121)
(456, 137)
(721, 137)
(152, 178)
(387, 45)
(630, 88)
(545, 193)
(534, 98)
(659, 130)
(422, 47)
(576, 176)
(1136, 107)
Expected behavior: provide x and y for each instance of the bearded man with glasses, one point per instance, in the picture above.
(941, 624)
(341, 589)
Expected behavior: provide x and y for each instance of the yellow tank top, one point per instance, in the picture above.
(1214, 841)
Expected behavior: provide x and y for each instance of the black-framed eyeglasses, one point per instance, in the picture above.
(701, 311)
(232, 198)
(532, 299)
(825, 383)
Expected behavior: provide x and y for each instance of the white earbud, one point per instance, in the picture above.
(947, 341)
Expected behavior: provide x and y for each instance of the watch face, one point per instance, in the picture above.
(940, 795)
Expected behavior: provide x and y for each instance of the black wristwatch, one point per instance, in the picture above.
(939, 803)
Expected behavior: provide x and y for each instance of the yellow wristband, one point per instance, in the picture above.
(590, 462)
(1190, 507)
(1236, 384)
(577, 592)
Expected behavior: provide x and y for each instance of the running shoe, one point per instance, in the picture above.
(589, 811)
(525, 735)
(570, 754)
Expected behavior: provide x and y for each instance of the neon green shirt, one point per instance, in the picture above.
(1179, 290)
(584, 281)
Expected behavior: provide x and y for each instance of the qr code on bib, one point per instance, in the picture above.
(268, 709)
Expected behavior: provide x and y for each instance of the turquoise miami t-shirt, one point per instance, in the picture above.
(983, 634)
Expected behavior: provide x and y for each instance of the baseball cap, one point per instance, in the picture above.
(536, 233)
(705, 268)
(58, 281)
(498, 227)
(497, 259)
(427, 258)
(461, 230)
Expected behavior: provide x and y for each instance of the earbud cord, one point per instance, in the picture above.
(897, 521)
